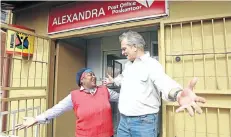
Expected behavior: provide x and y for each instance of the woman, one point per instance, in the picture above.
(90, 104)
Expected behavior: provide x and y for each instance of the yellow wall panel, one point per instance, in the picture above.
(204, 54)
(213, 122)
(224, 120)
(200, 60)
(197, 8)
(31, 71)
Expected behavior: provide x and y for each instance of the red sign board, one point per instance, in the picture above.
(94, 13)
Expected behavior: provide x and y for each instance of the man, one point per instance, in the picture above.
(90, 104)
(141, 83)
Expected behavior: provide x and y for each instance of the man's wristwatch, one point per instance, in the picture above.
(173, 94)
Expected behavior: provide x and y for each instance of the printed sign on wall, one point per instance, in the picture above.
(94, 13)
(19, 43)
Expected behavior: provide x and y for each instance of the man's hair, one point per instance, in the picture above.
(133, 39)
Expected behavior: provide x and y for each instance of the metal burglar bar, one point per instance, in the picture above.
(216, 50)
(24, 84)
(14, 120)
(199, 47)
(16, 115)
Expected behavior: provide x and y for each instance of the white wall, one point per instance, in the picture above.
(94, 60)
(112, 42)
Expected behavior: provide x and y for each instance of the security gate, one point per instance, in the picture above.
(199, 47)
(24, 81)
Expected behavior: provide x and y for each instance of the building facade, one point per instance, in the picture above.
(190, 39)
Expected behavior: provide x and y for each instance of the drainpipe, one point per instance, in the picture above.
(5, 75)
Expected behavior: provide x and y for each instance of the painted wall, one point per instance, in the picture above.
(185, 9)
(36, 17)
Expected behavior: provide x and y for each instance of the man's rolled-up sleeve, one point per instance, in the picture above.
(118, 79)
(162, 81)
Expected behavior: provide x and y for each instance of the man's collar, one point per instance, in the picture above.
(143, 57)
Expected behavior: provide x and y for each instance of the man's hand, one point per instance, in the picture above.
(27, 122)
(108, 80)
(188, 99)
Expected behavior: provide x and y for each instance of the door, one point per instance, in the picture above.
(113, 65)
(198, 48)
(69, 60)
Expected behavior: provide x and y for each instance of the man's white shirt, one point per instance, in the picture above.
(141, 83)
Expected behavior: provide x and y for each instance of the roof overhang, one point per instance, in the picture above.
(16, 5)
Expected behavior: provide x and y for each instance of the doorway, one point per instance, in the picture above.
(113, 63)
(103, 55)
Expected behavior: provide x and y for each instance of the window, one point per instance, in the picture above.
(154, 49)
